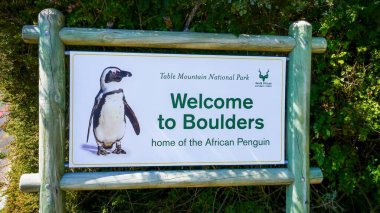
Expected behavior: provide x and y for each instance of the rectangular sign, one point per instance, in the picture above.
(129, 109)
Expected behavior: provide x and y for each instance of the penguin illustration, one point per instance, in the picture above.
(109, 111)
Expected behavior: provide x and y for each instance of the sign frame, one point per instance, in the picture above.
(51, 181)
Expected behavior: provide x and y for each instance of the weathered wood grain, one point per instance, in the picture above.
(51, 110)
(174, 179)
(170, 179)
(176, 40)
(298, 118)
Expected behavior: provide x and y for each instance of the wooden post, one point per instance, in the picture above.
(52, 110)
(298, 121)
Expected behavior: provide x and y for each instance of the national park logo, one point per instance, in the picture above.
(263, 77)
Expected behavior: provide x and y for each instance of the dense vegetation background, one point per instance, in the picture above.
(345, 110)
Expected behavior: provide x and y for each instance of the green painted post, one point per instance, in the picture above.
(298, 118)
(52, 110)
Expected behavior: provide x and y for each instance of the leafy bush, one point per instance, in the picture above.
(18, 85)
(345, 111)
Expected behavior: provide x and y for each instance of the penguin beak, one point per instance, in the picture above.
(125, 74)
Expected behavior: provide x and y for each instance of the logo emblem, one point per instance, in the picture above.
(265, 81)
(263, 77)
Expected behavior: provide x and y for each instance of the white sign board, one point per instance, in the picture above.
(167, 110)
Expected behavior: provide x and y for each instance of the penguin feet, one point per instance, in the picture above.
(102, 151)
(119, 150)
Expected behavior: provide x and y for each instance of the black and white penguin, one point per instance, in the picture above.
(109, 111)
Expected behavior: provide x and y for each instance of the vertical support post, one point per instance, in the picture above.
(52, 110)
(298, 118)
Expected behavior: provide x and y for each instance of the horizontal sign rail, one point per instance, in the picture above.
(177, 40)
(79, 181)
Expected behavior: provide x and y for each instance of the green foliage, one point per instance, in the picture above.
(345, 97)
(345, 103)
(2, 155)
(19, 78)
